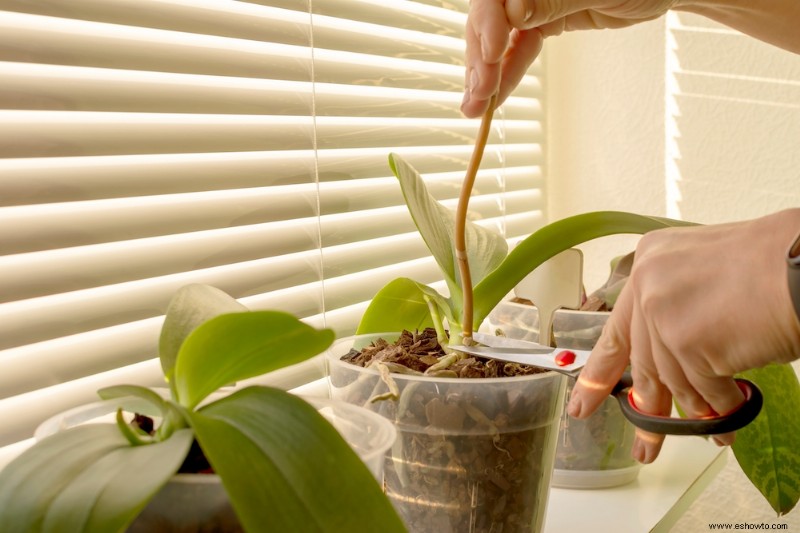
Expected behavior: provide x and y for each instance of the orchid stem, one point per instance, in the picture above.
(461, 220)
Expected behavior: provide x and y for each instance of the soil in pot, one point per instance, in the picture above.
(475, 441)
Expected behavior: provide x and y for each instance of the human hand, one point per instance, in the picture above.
(702, 303)
(504, 38)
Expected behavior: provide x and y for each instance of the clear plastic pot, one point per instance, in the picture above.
(192, 503)
(472, 455)
(591, 453)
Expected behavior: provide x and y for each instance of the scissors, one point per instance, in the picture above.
(571, 362)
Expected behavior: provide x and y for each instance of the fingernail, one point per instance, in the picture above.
(473, 80)
(465, 100)
(724, 439)
(638, 451)
(574, 406)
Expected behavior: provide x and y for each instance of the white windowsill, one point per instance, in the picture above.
(660, 495)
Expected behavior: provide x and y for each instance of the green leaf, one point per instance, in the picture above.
(238, 346)
(401, 305)
(436, 224)
(134, 398)
(86, 479)
(768, 449)
(137, 399)
(191, 306)
(134, 435)
(291, 471)
(553, 239)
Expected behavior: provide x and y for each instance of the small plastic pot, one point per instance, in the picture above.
(592, 453)
(198, 502)
(472, 455)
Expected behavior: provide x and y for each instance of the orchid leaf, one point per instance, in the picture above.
(112, 491)
(768, 449)
(135, 436)
(191, 306)
(494, 273)
(401, 305)
(291, 470)
(237, 346)
(436, 223)
(134, 398)
(553, 239)
(86, 478)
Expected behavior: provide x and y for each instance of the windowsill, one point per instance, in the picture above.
(660, 495)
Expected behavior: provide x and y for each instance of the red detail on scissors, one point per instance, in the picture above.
(565, 357)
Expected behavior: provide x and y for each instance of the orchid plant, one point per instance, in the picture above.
(768, 450)
(283, 466)
(405, 303)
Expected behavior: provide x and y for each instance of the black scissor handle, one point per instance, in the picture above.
(711, 425)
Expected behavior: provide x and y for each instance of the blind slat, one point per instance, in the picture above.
(409, 15)
(63, 225)
(203, 17)
(68, 179)
(57, 88)
(40, 134)
(357, 287)
(25, 276)
(38, 319)
(76, 179)
(43, 134)
(49, 40)
(24, 228)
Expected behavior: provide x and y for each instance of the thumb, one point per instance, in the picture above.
(607, 362)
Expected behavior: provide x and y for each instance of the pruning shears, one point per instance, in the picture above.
(571, 362)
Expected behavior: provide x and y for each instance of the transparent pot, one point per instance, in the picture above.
(591, 453)
(472, 455)
(193, 503)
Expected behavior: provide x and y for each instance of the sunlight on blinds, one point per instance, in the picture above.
(147, 144)
(746, 94)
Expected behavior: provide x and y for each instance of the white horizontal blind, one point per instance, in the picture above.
(147, 144)
(733, 120)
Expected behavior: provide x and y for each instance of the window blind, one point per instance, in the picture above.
(733, 120)
(148, 144)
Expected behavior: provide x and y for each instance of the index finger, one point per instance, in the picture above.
(607, 362)
(526, 14)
